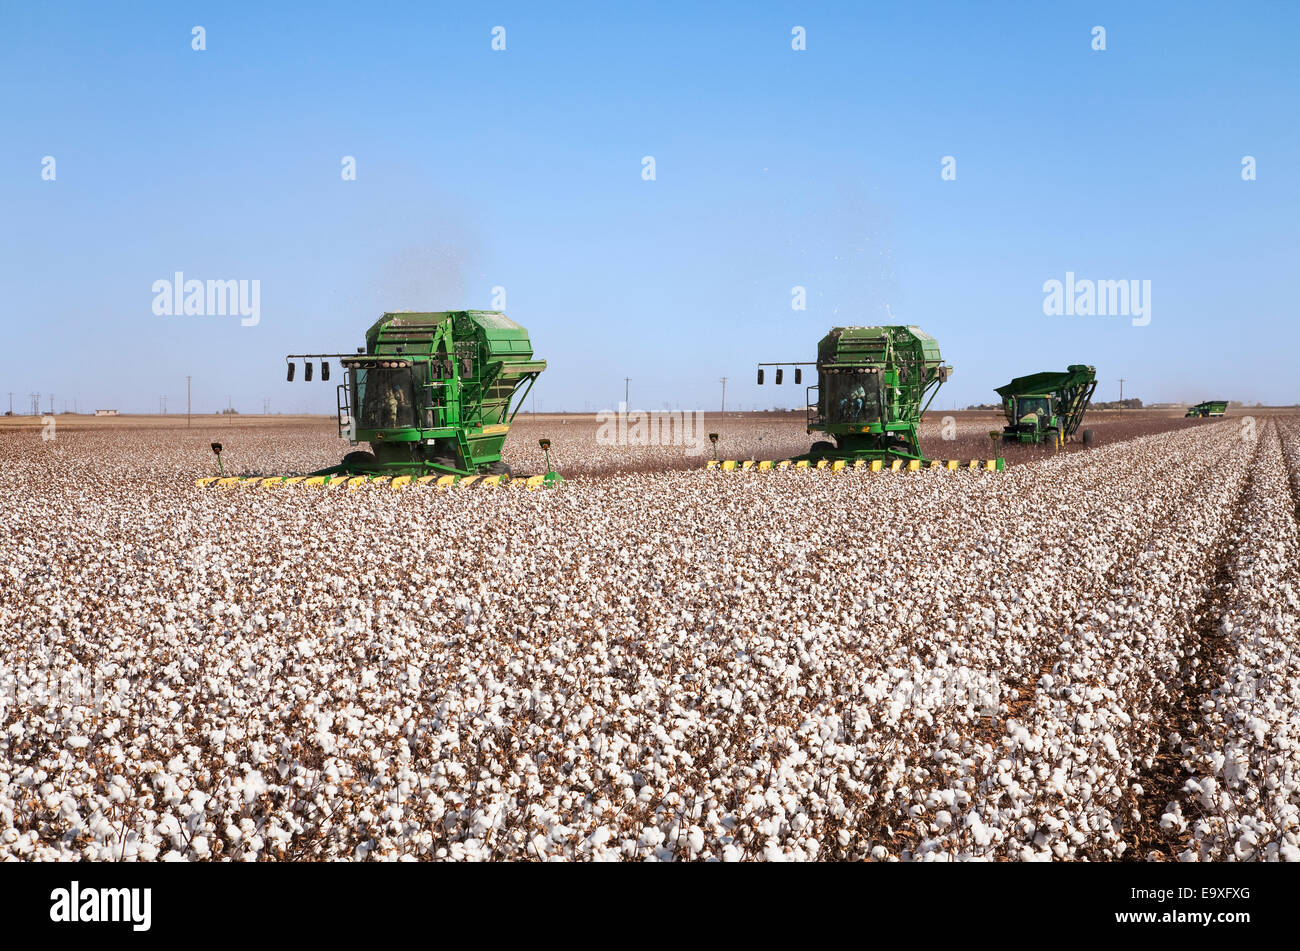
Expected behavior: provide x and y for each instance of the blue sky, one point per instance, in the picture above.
(775, 168)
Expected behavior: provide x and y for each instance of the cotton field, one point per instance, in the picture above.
(1087, 656)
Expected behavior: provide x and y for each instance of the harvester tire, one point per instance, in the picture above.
(821, 447)
(501, 469)
(361, 458)
(1089, 437)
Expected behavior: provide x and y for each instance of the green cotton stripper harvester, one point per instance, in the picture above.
(1048, 407)
(434, 395)
(874, 385)
(1207, 409)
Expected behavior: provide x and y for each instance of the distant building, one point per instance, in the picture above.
(105, 412)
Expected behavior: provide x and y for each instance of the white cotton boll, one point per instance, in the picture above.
(254, 786)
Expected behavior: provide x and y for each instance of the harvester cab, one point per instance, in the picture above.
(1207, 409)
(432, 394)
(874, 385)
(1048, 407)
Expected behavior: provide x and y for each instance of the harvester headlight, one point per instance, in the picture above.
(713, 438)
(324, 369)
(306, 371)
(760, 376)
(545, 444)
(216, 447)
(798, 376)
(289, 378)
(779, 374)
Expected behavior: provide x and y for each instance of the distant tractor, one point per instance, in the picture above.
(874, 385)
(432, 393)
(1208, 408)
(1048, 407)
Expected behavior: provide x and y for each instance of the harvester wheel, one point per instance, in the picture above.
(818, 448)
(501, 469)
(1089, 437)
(360, 458)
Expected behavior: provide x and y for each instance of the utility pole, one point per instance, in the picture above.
(229, 407)
(1121, 389)
(724, 396)
(187, 402)
(36, 403)
(51, 404)
(11, 402)
(627, 387)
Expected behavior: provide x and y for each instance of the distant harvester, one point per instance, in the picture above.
(105, 412)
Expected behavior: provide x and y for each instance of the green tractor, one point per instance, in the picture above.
(1206, 409)
(874, 384)
(432, 393)
(1048, 407)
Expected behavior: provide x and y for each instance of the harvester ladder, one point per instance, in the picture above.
(343, 407)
